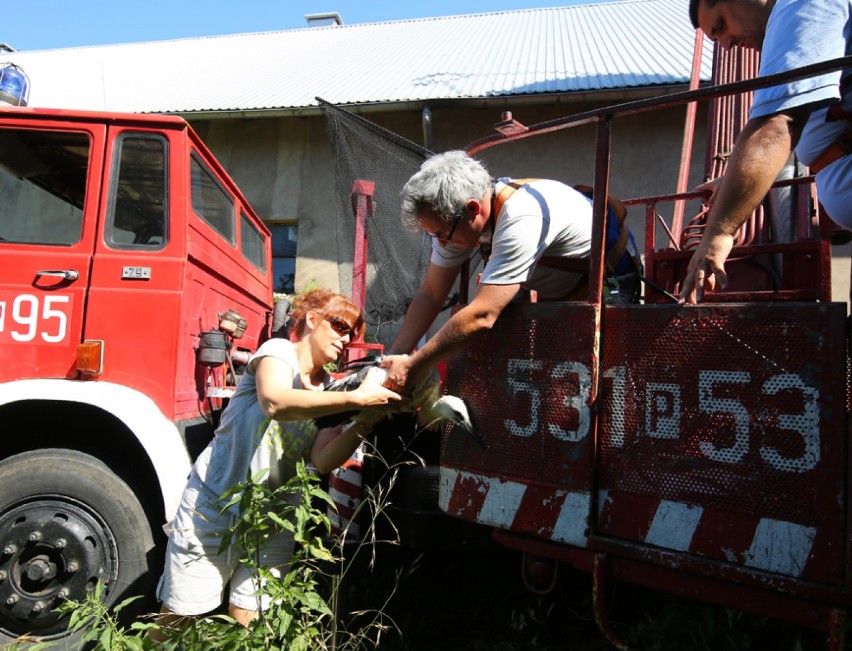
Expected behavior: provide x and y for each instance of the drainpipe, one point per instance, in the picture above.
(426, 118)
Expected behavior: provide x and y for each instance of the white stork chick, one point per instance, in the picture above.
(432, 409)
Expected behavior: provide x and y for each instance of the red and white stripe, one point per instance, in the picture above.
(559, 515)
(762, 543)
(344, 487)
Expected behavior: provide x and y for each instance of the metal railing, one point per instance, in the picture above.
(510, 130)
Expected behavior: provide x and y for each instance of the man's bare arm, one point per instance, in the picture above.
(479, 315)
(760, 153)
(424, 308)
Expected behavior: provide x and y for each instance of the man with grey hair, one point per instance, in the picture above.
(812, 115)
(534, 233)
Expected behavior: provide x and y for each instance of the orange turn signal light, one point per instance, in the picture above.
(90, 357)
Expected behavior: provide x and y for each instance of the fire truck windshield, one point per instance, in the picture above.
(42, 186)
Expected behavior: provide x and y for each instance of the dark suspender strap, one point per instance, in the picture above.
(574, 265)
(613, 256)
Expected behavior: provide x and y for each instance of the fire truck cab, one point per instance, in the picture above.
(134, 276)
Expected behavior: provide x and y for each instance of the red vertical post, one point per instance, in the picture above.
(362, 207)
(688, 132)
(603, 153)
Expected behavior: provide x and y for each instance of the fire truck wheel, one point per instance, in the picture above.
(66, 523)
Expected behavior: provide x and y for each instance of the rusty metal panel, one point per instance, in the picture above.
(722, 433)
(528, 384)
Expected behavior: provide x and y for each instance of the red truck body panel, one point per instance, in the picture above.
(701, 450)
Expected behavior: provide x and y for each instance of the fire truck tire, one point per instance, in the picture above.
(66, 523)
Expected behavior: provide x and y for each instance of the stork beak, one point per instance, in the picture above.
(474, 434)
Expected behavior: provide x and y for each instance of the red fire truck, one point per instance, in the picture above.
(134, 277)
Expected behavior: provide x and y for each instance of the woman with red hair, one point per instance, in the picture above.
(268, 427)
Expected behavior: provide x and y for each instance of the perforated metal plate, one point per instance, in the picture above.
(527, 382)
(722, 433)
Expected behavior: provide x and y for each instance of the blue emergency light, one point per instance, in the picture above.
(14, 85)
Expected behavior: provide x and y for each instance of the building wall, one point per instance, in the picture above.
(285, 166)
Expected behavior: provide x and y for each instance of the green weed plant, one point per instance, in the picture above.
(299, 617)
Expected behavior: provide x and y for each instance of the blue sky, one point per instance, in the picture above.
(47, 24)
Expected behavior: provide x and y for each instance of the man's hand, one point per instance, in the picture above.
(371, 393)
(706, 268)
(709, 188)
(398, 369)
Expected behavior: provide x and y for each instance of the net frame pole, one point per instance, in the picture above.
(362, 206)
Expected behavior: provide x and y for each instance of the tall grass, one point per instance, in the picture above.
(299, 618)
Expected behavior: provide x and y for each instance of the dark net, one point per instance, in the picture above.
(398, 257)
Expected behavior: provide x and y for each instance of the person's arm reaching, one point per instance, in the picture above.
(332, 447)
(280, 401)
(759, 155)
(479, 315)
(424, 308)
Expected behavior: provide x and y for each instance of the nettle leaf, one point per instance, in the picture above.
(299, 644)
(318, 551)
(144, 626)
(321, 495)
(105, 639)
(126, 603)
(134, 643)
(314, 601)
(276, 519)
(38, 646)
(284, 624)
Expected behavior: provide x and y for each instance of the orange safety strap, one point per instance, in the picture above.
(507, 191)
(836, 150)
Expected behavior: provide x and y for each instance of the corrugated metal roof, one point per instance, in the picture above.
(587, 48)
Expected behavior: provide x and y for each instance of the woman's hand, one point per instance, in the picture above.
(371, 393)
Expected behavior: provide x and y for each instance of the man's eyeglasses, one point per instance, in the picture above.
(449, 237)
(340, 326)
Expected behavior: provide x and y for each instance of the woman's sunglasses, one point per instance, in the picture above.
(340, 326)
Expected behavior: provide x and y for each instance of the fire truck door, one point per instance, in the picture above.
(137, 267)
(49, 180)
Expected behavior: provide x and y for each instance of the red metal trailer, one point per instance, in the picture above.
(701, 450)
